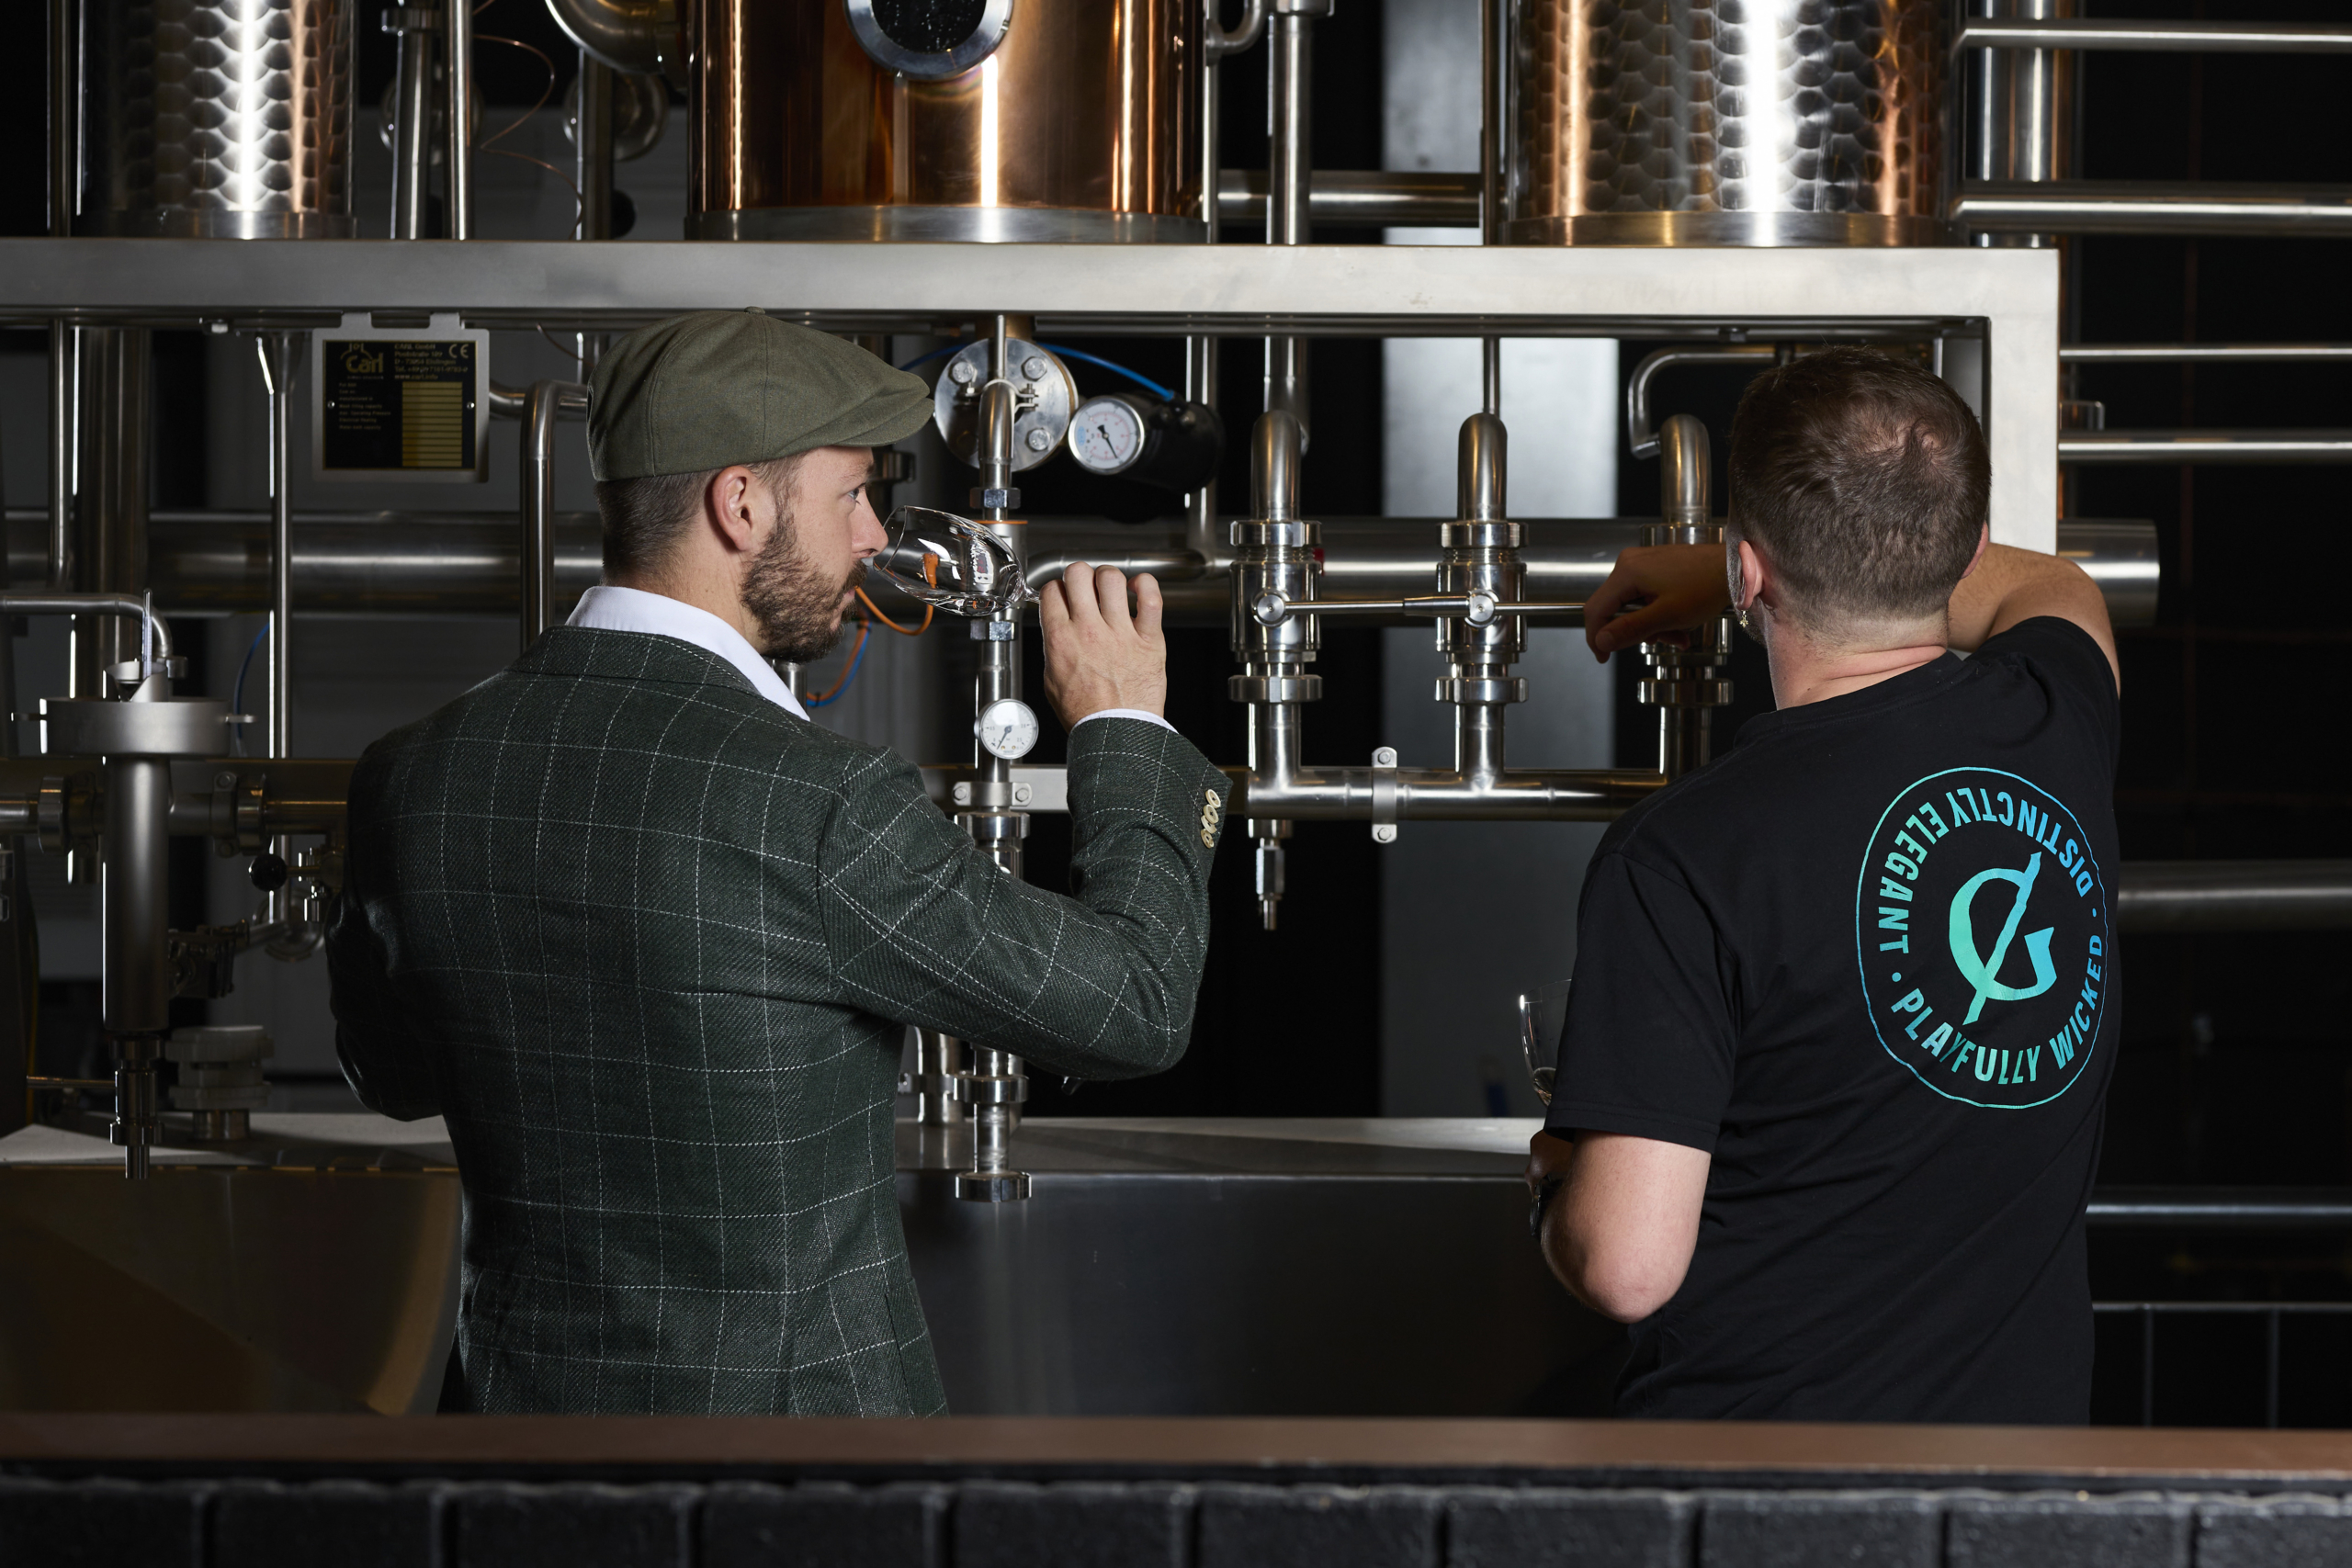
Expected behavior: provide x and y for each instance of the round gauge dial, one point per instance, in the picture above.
(1106, 434)
(1007, 728)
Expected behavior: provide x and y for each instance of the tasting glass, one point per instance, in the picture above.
(1543, 1013)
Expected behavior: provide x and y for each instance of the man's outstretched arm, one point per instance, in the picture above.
(2009, 585)
(1623, 1220)
(923, 928)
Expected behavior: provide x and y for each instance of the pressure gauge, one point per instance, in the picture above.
(1007, 728)
(1106, 434)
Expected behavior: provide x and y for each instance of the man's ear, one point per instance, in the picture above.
(1754, 577)
(727, 505)
(1984, 537)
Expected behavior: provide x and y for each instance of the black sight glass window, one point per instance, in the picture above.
(928, 26)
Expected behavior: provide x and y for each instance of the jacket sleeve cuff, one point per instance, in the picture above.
(1128, 713)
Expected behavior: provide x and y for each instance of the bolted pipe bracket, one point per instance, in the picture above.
(1383, 795)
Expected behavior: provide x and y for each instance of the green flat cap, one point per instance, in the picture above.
(701, 391)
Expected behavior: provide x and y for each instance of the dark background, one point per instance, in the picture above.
(2234, 1065)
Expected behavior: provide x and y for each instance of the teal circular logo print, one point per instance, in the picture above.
(1985, 935)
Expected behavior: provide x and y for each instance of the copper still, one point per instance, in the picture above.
(957, 119)
(216, 118)
(1727, 122)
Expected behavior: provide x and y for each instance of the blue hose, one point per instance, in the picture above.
(856, 659)
(237, 697)
(1163, 393)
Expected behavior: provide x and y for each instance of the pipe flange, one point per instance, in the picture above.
(50, 818)
(1274, 688)
(967, 1090)
(1686, 693)
(1467, 693)
(992, 1186)
(252, 794)
(169, 726)
(1297, 535)
(1474, 535)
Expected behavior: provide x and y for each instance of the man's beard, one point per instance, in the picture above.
(799, 614)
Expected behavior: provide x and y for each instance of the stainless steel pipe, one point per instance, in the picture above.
(1290, 122)
(458, 120)
(62, 359)
(2168, 353)
(2118, 447)
(2024, 112)
(2233, 895)
(1363, 198)
(347, 563)
(2199, 37)
(155, 636)
(2135, 207)
(547, 402)
(1219, 43)
(1639, 432)
(278, 357)
(412, 118)
(593, 149)
(135, 976)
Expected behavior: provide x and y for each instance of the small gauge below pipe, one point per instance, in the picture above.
(1168, 446)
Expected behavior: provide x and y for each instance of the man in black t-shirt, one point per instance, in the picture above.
(1829, 1095)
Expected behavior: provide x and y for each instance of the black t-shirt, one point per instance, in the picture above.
(1867, 960)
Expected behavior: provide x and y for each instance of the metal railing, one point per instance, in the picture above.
(2273, 1312)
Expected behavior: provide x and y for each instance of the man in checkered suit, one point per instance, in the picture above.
(649, 939)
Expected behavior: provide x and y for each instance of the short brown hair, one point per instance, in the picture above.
(645, 518)
(1865, 481)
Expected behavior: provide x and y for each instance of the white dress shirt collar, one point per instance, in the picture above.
(607, 609)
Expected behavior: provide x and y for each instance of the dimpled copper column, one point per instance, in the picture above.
(1082, 125)
(227, 117)
(1728, 122)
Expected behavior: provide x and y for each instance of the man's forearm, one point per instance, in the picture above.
(2011, 585)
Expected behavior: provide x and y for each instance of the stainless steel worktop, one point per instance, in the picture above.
(1163, 1267)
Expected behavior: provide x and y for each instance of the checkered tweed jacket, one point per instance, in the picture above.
(648, 943)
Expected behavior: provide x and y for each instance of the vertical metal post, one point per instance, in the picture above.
(1201, 353)
(65, 358)
(1200, 507)
(135, 986)
(996, 1086)
(1478, 553)
(541, 407)
(278, 353)
(412, 118)
(108, 547)
(1491, 140)
(1686, 684)
(593, 149)
(2147, 1361)
(65, 105)
(2023, 111)
(1290, 109)
(458, 157)
(1275, 550)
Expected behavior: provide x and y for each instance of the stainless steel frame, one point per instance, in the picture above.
(2009, 303)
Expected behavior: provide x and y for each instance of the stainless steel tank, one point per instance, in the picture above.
(216, 118)
(1727, 122)
(960, 119)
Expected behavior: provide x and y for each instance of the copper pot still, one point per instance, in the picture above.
(1727, 122)
(946, 120)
